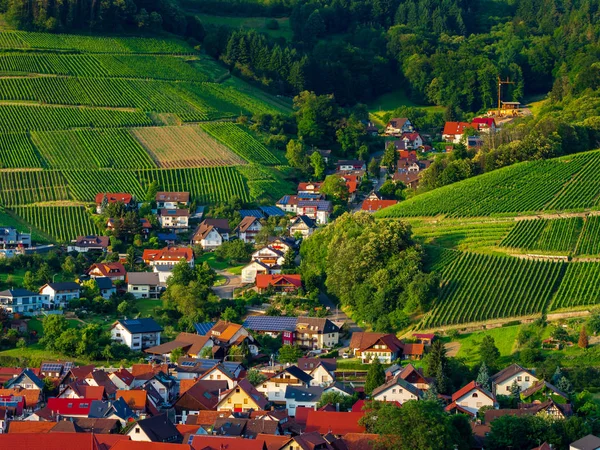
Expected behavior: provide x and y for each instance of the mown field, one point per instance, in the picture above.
(86, 114)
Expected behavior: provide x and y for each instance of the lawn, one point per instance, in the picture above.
(387, 103)
(505, 341)
(257, 23)
(146, 305)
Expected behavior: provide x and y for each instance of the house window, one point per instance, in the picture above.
(526, 378)
(228, 400)
(264, 386)
(211, 377)
(519, 378)
(393, 391)
(475, 394)
(276, 394)
(137, 431)
(245, 401)
(276, 384)
(218, 377)
(507, 388)
(237, 390)
(479, 404)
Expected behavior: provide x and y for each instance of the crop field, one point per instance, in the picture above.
(17, 151)
(63, 223)
(263, 183)
(558, 235)
(78, 149)
(589, 241)
(20, 187)
(85, 184)
(241, 142)
(174, 147)
(480, 287)
(580, 286)
(567, 182)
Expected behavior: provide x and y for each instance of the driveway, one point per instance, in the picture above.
(231, 283)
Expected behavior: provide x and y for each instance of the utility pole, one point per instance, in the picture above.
(500, 83)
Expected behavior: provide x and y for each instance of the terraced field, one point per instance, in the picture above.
(556, 235)
(63, 223)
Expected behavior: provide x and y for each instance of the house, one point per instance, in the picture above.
(242, 397)
(398, 125)
(114, 410)
(22, 301)
(289, 203)
(484, 124)
(350, 165)
(301, 225)
(172, 200)
(273, 326)
(211, 233)
(589, 442)
(368, 346)
(250, 271)
(269, 256)
(424, 338)
(409, 179)
(193, 368)
(80, 389)
(155, 429)
(248, 229)
(106, 286)
(414, 376)
(135, 399)
(220, 373)
(453, 131)
(104, 198)
(70, 407)
(471, 398)
(89, 243)
(541, 391)
(137, 334)
(322, 370)
(12, 238)
(201, 396)
(59, 294)
(226, 334)
(258, 213)
(412, 351)
(191, 345)
(549, 407)
(55, 369)
(177, 220)
(376, 205)
(61, 440)
(274, 388)
(503, 380)
(27, 399)
(168, 257)
(412, 140)
(143, 284)
(310, 188)
(112, 270)
(122, 379)
(279, 283)
(145, 225)
(318, 210)
(337, 423)
(200, 442)
(316, 333)
(301, 397)
(370, 128)
(396, 390)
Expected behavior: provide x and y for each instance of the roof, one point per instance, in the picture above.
(251, 391)
(539, 386)
(159, 428)
(142, 325)
(589, 442)
(424, 336)
(29, 426)
(104, 283)
(17, 293)
(252, 213)
(180, 197)
(263, 280)
(273, 442)
(397, 122)
(311, 187)
(124, 375)
(174, 212)
(320, 205)
(303, 393)
(114, 197)
(135, 398)
(364, 340)
(111, 270)
(350, 162)
(304, 219)
(204, 327)
(310, 441)
(57, 441)
(246, 223)
(468, 388)
(544, 446)
(310, 364)
(149, 278)
(84, 390)
(270, 323)
(397, 381)
(101, 426)
(508, 372)
(272, 211)
(334, 422)
(168, 254)
(413, 349)
(31, 396)
(376, 205)
(70, 406)
(141, 445)
(205, 418)
(297, 373)
(204, 394)
(487, 121)
(102, 409)
(224, 331)
(360, 441)
(454, 128)
(66, 286)
(201, 442)
(316, 325)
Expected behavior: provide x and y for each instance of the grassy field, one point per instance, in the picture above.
(504, 337)
(258, 23)
(387, 103)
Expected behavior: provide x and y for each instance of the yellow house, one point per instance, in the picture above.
(242, 397)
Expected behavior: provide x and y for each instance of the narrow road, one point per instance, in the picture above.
(337, 315)
(231, 283)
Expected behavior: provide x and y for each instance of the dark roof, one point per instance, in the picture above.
(66, 286)
(272, 211)
(329, 364)
(146, 325)
(397, 381)
(298, 373)
(101, 426)
(321, 205)
(306, 220)
(270, 323)
(150, 278)
(252, 213)
(246, 223)
(589, 442)
(100, 409)
(204, 327)
(160, 429)
(304, 394)
(538, 386)
(203, 395)
(17, 293)
(227, 426)
(104, 283)
(317, 325)
(508, 372)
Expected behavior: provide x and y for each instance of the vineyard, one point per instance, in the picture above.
(63, 223)
(556, 235)
(562, 183)
(17, 151)
(589, 241)
(580, 286)
(173, 147)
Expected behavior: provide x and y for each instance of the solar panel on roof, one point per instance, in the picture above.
(188, 364)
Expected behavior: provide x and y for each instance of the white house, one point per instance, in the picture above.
(589, 442)
(168, 257)
(219, 373)
(89, 243)
(22, 301)
(174, 219)
(302, 225)
(269, 256)
(172, 200)
(471, 398)
(143, 284)
(137, 334)
(301, 397)
(155, 429)
(318, 210)
(250, 271)
(398, 125)
(503, 380)
(412, 140)
(396, 390)
(211, 233)
(58, 295)
(275, 387)
(248, 229)
(106, 286)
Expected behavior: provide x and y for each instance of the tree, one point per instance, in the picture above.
(390, 158)
(289, 353)
(515, 389)
(255, 377)
(230, 315)
(176, 354)
(90, 289)
(54, 325)
(488, 352)
(70, 265)
(583, 338)
(296, 156)
(565, 386)
(182, 274)
(318, 165)
(107, 353)
(289, 262)
(483, 377)
(373, 168)
(375, 376)
(335, 188)
(344, 401)
(130, 258)
(315, 117)
(29, 281)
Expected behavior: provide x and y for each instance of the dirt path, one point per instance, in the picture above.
(452, 349)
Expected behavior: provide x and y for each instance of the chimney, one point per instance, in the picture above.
(337, 407)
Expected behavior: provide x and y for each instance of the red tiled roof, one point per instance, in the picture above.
(364, 340)
(408, 154)
(315, 187)
(413, 349)
(466, 389)
(143, 445)
(360, 441)
(411, 136)
(125, 376)
(423, 335)
(7, 373)
(301, 415)
(359, 405)
(135, 398)
(454, 128)
(226, 443)
(61, 441)
(29, 426)
(334, 422)
(376, 205)
(180, 197)
(263, 281)
(32, 396)
(487, 121)
(70, 406)
(111, 270)
(168, 254)
(114, 197)
(273, 441)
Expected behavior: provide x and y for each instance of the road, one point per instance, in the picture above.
(231, 283)
(337, 315)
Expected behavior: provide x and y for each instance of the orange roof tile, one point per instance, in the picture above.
(142, 445)
(32, 396)
(274, 442)
(30, 426)
(135, 398)
(184, 385)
